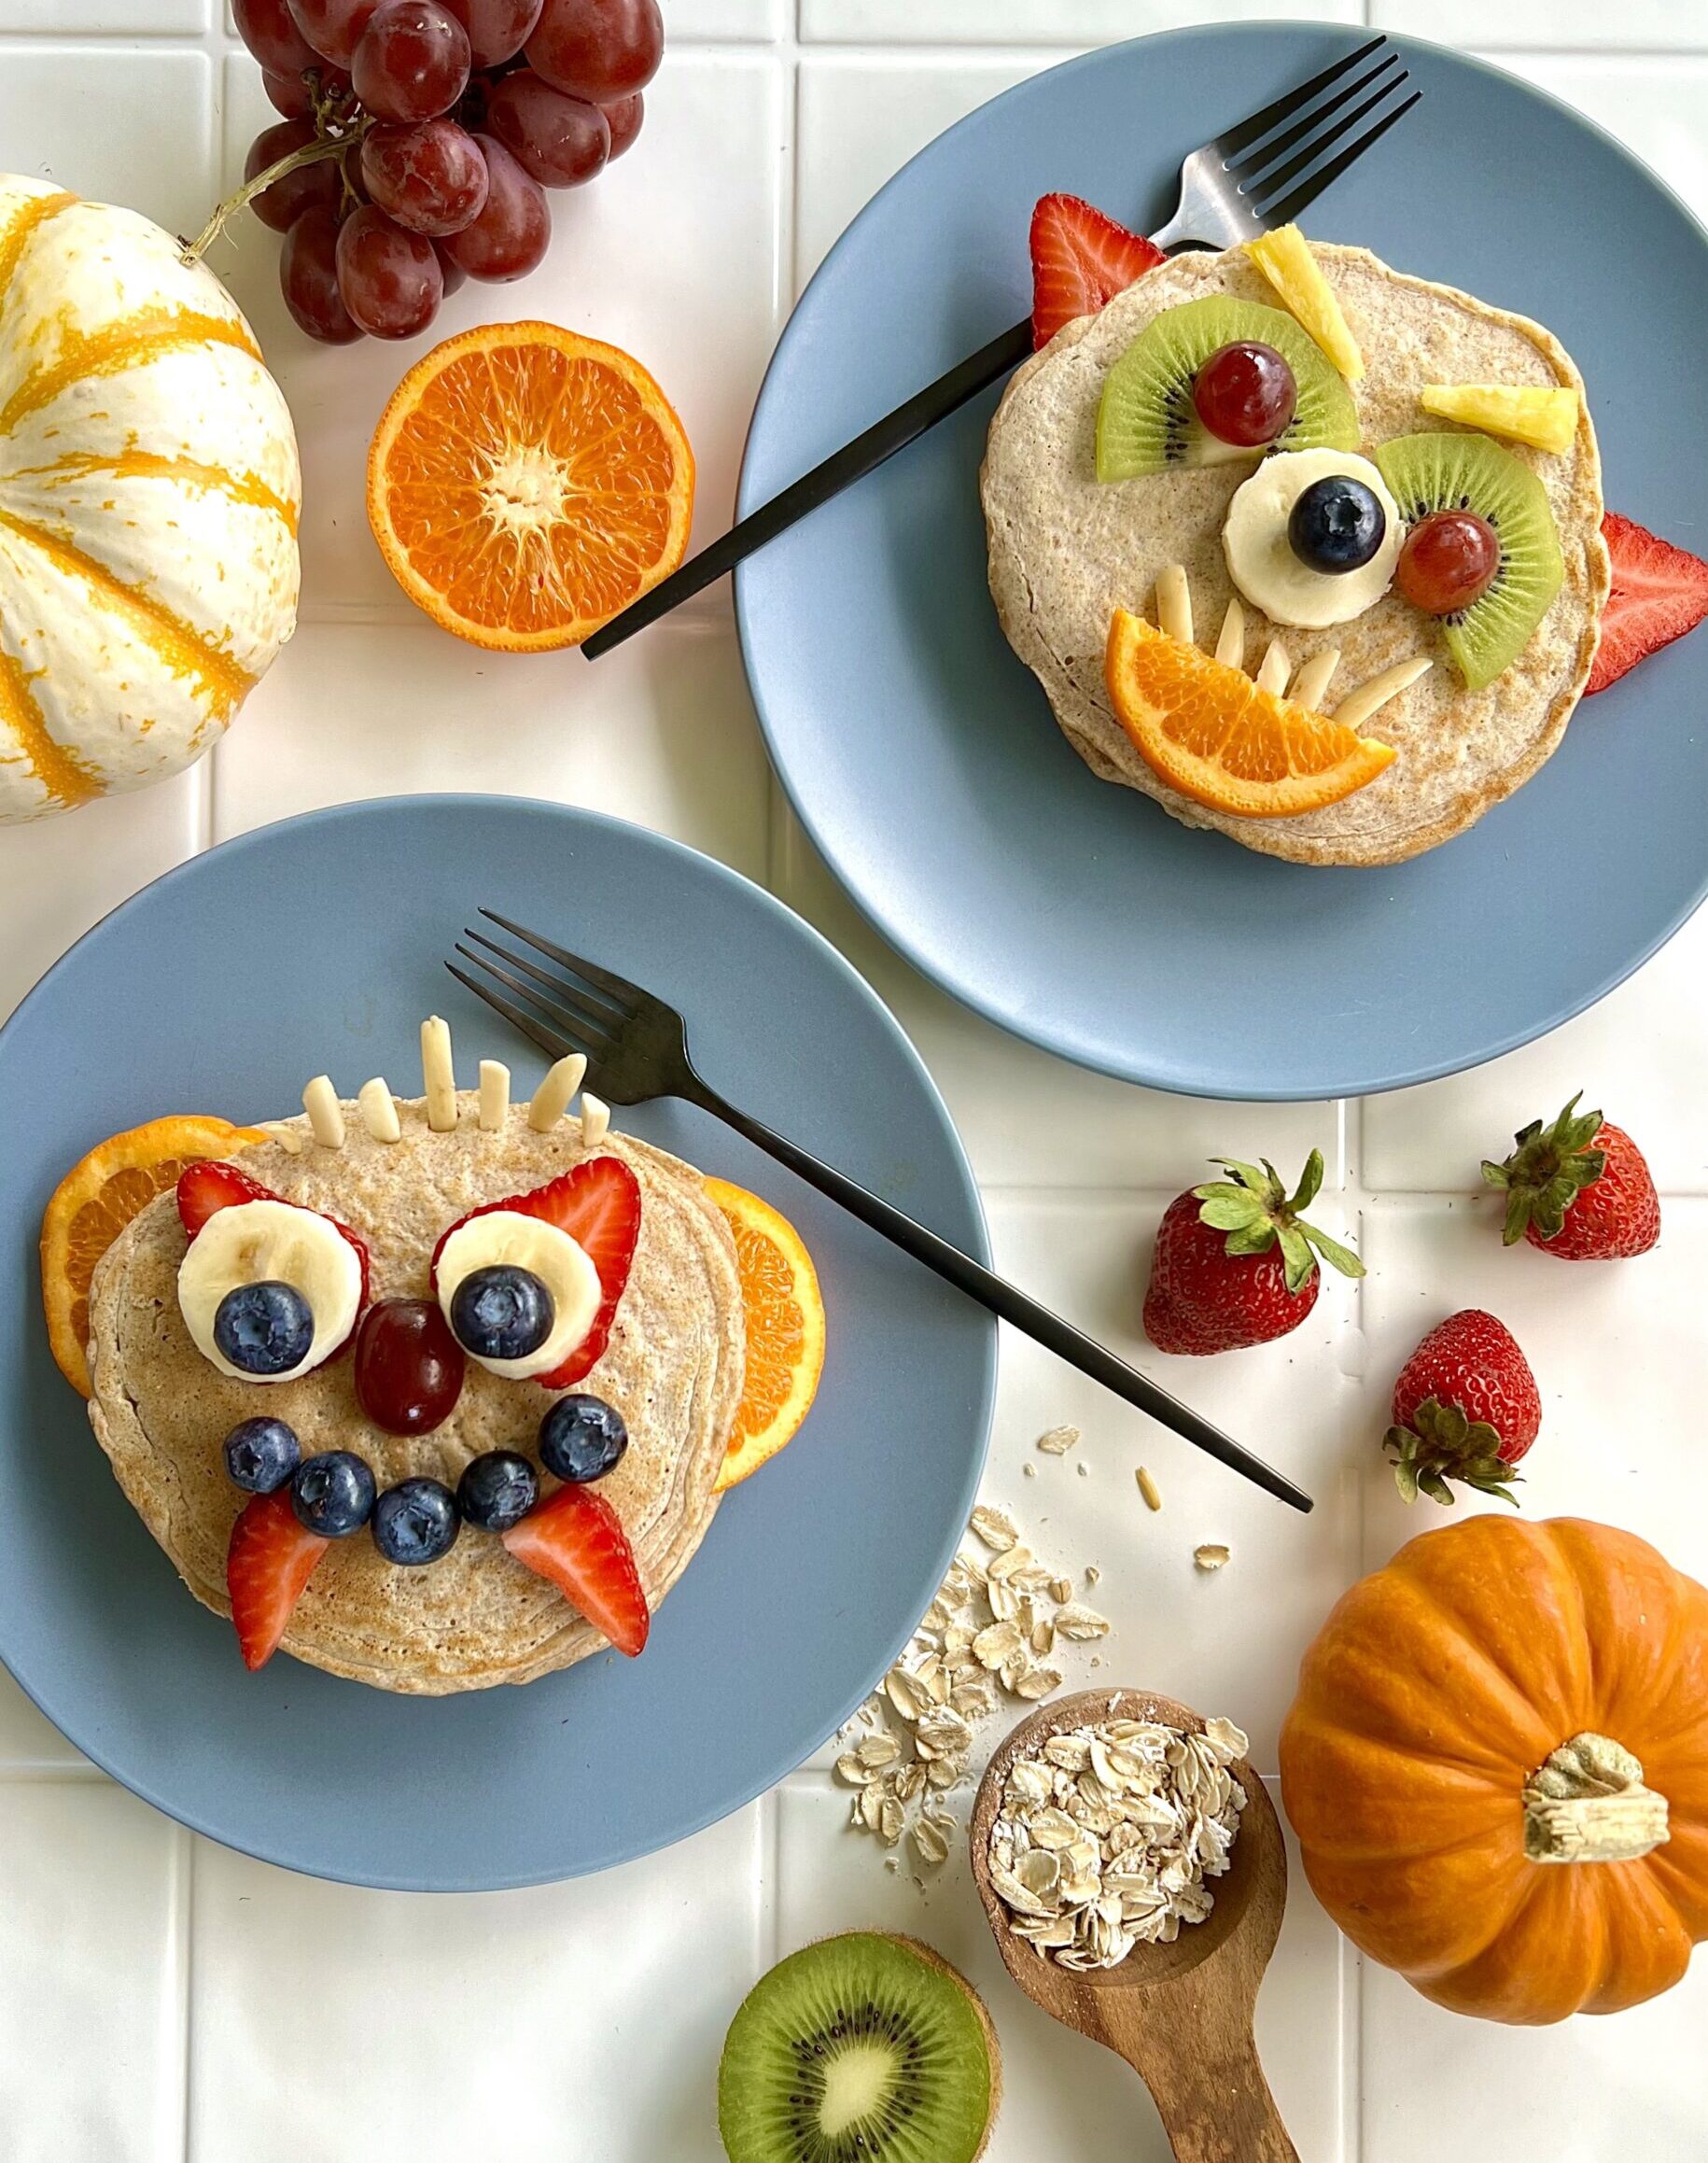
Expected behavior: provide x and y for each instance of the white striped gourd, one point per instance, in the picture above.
(149, 500)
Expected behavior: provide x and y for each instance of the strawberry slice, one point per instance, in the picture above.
(1081, 259)
(598, 1205)
(269, 1560)
(207, 1188)
(1660, 592)
(575, 1539)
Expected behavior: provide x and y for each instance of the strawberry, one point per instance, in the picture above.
(1660, 592)
(1579, 1188)
(269, 1560)
(1234, 1264)
(1081, 259)
(207, 1188)
(1466, 1407)
(576, 1539)
(598, 1205)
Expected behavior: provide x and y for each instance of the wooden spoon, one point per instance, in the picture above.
(1179, 2014)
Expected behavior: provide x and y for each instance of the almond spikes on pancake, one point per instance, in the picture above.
(1066, 551)
(673, 1369)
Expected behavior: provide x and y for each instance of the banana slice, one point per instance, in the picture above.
(254, 1243)
(1260, 557)
(562, 1264)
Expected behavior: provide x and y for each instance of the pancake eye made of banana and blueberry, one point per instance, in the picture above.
(1219, 443)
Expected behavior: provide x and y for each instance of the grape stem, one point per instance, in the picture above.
(313, 153)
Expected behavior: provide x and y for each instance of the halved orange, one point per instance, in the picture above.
(96, 1199)
(1210, 731)
(525, 484)
(785, 1329)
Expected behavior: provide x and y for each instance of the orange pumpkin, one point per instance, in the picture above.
(1497, 1767)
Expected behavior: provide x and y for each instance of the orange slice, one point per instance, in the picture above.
(1207, 730)
(785, 1329)
(524, 484)
(96, 1199)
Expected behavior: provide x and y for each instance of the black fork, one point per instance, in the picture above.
(637, 1049)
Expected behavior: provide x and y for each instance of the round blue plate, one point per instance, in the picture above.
(318, 944)
(922, 756)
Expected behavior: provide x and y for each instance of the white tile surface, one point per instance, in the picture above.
(583, 2022)
(90, 1992)
(535, 2026)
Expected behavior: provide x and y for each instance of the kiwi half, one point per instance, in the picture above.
(863, 2048)
(1468, 473)
(1145, 419)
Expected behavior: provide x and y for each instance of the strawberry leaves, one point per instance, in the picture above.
(1547, 1172)
(1442, 1444)
(1256, 1210)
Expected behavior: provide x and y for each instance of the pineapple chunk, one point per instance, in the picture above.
(1284, 257)
(1545, 419)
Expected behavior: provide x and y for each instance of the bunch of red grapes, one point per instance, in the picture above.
(453, 117)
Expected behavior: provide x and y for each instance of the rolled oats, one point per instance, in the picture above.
(1058, 1441)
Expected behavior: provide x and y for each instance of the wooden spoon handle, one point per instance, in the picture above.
(1213, 2097)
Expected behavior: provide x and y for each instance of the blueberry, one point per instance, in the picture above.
(1338, 524)
(501, 1312)
(265, 1328)
(415, 1522)
(497, 1490)
(582, 1438)
(332, 1494)
(261, 1455)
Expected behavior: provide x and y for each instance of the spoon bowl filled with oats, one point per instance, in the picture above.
(1133, 1873)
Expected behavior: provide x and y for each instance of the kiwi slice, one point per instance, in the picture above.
(859, 2050)
(1146, 422)
(1468, 473)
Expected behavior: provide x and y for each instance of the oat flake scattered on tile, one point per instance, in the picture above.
(1058, 1441)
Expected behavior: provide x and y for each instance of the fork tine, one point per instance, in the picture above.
(582, 1036)
(1265, 183)
(1267, 153)
(1272, 116)
(617, 988)
(554, 1047)
(577, 1005)
(1305, 194)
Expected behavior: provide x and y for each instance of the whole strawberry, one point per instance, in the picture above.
(1234, 1264)
(1579, 1188)
(1466, 1407)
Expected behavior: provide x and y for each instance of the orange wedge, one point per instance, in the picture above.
(785, 1329)
(524, 484)
(96, 1199)
(1207, 730)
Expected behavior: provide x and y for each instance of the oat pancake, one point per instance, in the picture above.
(673, 1369)
(1066, 549)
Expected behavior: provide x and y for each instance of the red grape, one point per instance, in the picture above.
(412, 62)
(625, 116)
(289, 93)
(1245, 394)
(561, 141)
(409, 1366)
(266, 28)
(452, 271)
(598, 50)
(497, 29)
(308, 277)
(333, 26)
(390, 279)
(1448, 561)
(512, 231)
(430, 177)
(284, 202)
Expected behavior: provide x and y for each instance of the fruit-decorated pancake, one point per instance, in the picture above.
(1071, 553)
(265, 1262)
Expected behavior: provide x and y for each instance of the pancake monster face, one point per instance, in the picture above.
(503, 1345)
(1305, 549)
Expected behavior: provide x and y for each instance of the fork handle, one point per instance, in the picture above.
(1003, 1299)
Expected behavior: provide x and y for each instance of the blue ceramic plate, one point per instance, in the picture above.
(922, 756)
(318, 944)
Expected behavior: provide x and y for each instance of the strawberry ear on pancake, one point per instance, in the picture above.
(598, 1205)
(209, 1186)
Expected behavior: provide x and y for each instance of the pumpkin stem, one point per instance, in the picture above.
(1588, 1803)
(322, 147)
